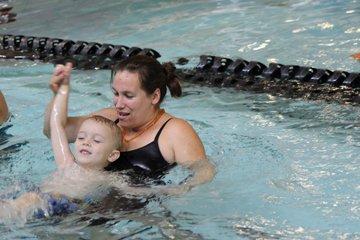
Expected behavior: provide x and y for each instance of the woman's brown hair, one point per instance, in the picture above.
(152, 74)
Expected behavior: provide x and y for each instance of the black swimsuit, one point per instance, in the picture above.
(145, 166)
(146, 161)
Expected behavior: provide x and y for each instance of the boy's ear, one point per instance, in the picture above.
(115, 154)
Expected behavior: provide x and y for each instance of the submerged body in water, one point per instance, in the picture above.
(70, 188)
(9, 145)
(74, 188)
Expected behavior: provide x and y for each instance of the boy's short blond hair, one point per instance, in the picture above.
(115, 129)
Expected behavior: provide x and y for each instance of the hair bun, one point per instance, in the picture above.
(172, 80)
(169, 68)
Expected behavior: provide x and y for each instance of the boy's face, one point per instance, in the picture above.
(94, 145)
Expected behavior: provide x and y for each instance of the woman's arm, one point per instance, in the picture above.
(189, 152)
(4, 111)
(73, 123)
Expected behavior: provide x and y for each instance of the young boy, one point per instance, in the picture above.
(79, 176)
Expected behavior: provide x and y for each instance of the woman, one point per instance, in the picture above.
(154, 141)
(4, 111)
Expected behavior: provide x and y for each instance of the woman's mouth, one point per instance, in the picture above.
(123, 115)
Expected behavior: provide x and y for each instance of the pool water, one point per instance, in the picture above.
(286, 169)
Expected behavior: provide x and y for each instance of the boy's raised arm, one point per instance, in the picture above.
(59, 140)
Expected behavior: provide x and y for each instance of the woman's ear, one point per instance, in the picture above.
(114, 155)
(156, 96)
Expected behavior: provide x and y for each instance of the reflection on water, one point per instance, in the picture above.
(8, 146)
(155, 223)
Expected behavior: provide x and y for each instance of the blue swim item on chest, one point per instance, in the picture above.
(61, 206)
(57, 206)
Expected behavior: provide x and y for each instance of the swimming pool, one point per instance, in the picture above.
(285, 168)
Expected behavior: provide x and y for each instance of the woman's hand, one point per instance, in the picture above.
(61, 75)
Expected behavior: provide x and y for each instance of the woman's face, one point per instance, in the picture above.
(133, 105)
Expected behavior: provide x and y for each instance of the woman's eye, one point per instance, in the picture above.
(97, 141)
(80, 138)
(115, 92)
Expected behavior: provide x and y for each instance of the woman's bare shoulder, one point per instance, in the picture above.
(184, 141)
(179, 131)
(179, 126)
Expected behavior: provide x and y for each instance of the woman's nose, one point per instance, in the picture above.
(118, 103)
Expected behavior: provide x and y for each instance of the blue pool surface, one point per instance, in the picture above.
(286, 168)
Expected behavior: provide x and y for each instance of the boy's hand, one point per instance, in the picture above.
(60, 76)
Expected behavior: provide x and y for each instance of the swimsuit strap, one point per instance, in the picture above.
(158, 133)
(160, 130)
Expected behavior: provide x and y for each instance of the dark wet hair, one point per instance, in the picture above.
(152, 74)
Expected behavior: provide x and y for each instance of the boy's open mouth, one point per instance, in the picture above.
(85, 152)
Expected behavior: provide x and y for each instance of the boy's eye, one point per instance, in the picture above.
(97, 140)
